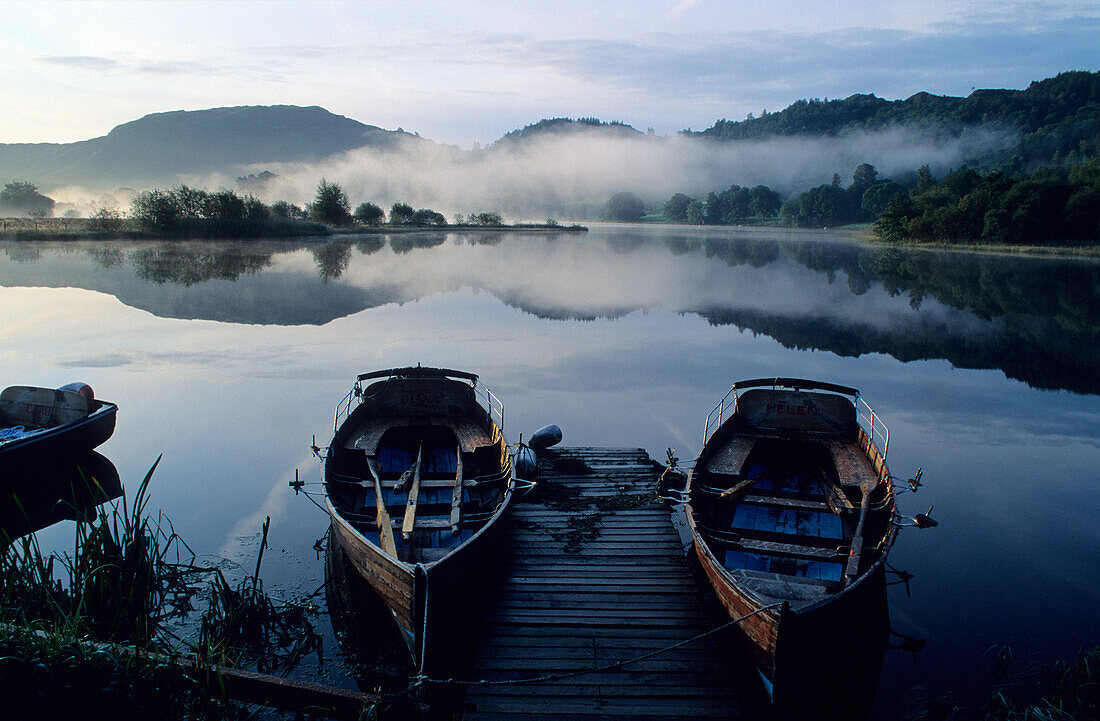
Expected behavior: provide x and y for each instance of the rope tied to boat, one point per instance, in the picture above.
(421, 679)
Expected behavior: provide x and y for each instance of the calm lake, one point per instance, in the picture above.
(228, 358)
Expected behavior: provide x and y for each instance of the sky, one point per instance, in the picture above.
(468, 72)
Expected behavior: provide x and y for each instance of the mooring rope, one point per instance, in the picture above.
(420, 679)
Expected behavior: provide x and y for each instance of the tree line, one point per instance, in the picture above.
(824, 206)
(1057, 119)
(734, 205)
(163, 209)
(1049, 205)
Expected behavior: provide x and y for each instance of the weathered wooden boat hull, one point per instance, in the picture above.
(786, 641)
(430, 600)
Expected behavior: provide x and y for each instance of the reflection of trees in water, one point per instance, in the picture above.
(682, 244)
(106, 257)
(405, 243)
(188, 265)
(332, 259)
(370, 244)
(1041, 312)
(756, 253)
(22, 252)
(482, 237)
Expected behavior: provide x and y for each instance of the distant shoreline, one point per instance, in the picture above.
(65, 229)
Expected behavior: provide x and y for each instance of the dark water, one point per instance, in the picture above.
(228, 358)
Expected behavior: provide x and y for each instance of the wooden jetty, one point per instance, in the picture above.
(595, 573)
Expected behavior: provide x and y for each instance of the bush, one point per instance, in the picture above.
(369, 214)
(426, 216)
(624, 208)
(486, 219)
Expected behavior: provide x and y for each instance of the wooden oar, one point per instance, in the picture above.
(735, 490)
(410, 507)
(852, 569)
(456, 499)
(385, 525)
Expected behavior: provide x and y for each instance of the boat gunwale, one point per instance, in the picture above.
(95, 416)
(507, 470)
(863, 441)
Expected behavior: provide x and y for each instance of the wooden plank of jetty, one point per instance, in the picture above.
(595, 574)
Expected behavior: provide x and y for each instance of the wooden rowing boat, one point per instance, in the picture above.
(417, 477)
(791, 510)
(46, 425)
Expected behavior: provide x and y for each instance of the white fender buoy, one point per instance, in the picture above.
(545, 437)
(82, 388)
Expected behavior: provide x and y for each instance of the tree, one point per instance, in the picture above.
(401, 213)
(23, 198)
(487, 218)
(696, 212)
(623, 208)
(864, 177)
(924, 179)
(155, 209)
(369, 214)
(191, 202)
(427, 216)
(330, 205)
(223, 205)
(877, 197)
(676, 208)
(254, 209)
(287, 211)
(764, 201)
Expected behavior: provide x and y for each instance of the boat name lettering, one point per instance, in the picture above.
(788, 409)
(421, 398)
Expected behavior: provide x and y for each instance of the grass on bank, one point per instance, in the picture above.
(92, 629)
(1062, 691)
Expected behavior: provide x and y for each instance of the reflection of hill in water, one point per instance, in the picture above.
(1034, 319)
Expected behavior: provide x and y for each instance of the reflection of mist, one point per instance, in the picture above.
(1035, 319)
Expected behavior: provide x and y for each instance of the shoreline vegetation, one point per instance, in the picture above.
(186, 213)
(131, 624)
(64, 229)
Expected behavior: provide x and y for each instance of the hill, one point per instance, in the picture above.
(162, 146)
(1057, 119)
(566, 126)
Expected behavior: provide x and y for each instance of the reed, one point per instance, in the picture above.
(243, 626)
(1062, 691)
(130, 573)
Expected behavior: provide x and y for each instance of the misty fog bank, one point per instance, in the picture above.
(569, 175)
(556, 174)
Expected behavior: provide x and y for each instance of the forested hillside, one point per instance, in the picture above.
(1057, 119)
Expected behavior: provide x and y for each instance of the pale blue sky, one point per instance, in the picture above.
(460, 72)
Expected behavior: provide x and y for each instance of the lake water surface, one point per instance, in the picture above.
(228, 358)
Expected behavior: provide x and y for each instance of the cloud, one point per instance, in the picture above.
(85, 62)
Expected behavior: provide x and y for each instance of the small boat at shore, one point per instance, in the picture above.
(791, 509)
(47, 425)
(417, 478)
